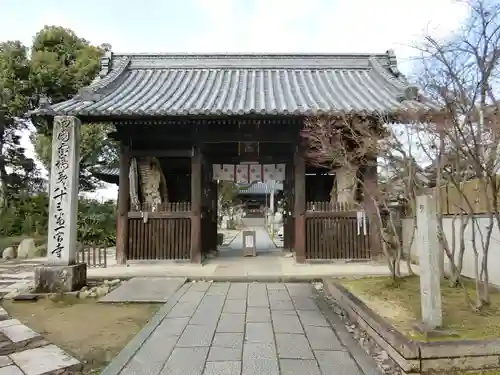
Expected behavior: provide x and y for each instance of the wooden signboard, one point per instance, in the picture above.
(249, 249)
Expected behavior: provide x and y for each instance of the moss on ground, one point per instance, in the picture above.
(399, 304)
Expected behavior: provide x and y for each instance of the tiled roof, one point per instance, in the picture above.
(261, 187)
(99, 170)
(172, 84)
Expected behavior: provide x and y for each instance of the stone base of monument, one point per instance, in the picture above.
(249, 249)
(433, 332)
(60, 279)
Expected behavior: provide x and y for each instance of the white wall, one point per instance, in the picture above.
(468, 263)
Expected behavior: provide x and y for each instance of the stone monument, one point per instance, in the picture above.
(429, 249)
(62, 274)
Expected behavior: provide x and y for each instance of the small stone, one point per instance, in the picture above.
(9, 253)
(84, 289)
(92, 294)
(93, 289)
(83, 295)
(102, 291)
(115, 282)
(383, 355)
(318, 286)
(26, 248)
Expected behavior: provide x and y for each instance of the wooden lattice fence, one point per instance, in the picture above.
(336, 231)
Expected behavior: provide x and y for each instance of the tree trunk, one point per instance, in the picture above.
(457, 265)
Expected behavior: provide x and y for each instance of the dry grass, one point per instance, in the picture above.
(94, 333)
(399, 304)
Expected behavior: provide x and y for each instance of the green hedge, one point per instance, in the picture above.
(29, 219)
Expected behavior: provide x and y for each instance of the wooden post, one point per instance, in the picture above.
(213, 203)
(370, 198)
(300, 206)
(196, 206)
(287, 217)
(123, 206)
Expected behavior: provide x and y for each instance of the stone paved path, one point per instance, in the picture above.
(16, 275)
(145, 289)
(263, 242)
(25, 352)
(243, 329)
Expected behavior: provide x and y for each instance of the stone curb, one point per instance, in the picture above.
(257, 279)
(121, 360)
(245, 278)
(414, 356)
(366, 363)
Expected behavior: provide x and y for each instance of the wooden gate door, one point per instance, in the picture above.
(336, 232)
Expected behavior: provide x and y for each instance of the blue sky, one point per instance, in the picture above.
(238, 25)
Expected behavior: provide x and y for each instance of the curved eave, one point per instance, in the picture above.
(109, 175)
(150, 92)
(110, 179)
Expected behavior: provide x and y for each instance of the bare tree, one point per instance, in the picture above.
(359, 142)
(461, 74)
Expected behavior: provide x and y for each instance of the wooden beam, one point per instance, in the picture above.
(183, 153)
(300, 206)
(159, 215)
(258, 135)
(196, 169)
(123, 205)
(262, 159)
(214, 136)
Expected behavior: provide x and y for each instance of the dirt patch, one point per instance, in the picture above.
(399, 304)
(94, 333)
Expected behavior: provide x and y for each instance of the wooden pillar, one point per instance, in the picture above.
(288, 227)
(370, 197)
(300, 206)
(123, 206)
(213, 213)
(196, 170)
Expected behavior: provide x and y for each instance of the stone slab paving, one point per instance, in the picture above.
(263, 241)
(16, 275)
(145, 289)
(25, 352)
(238, 329)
